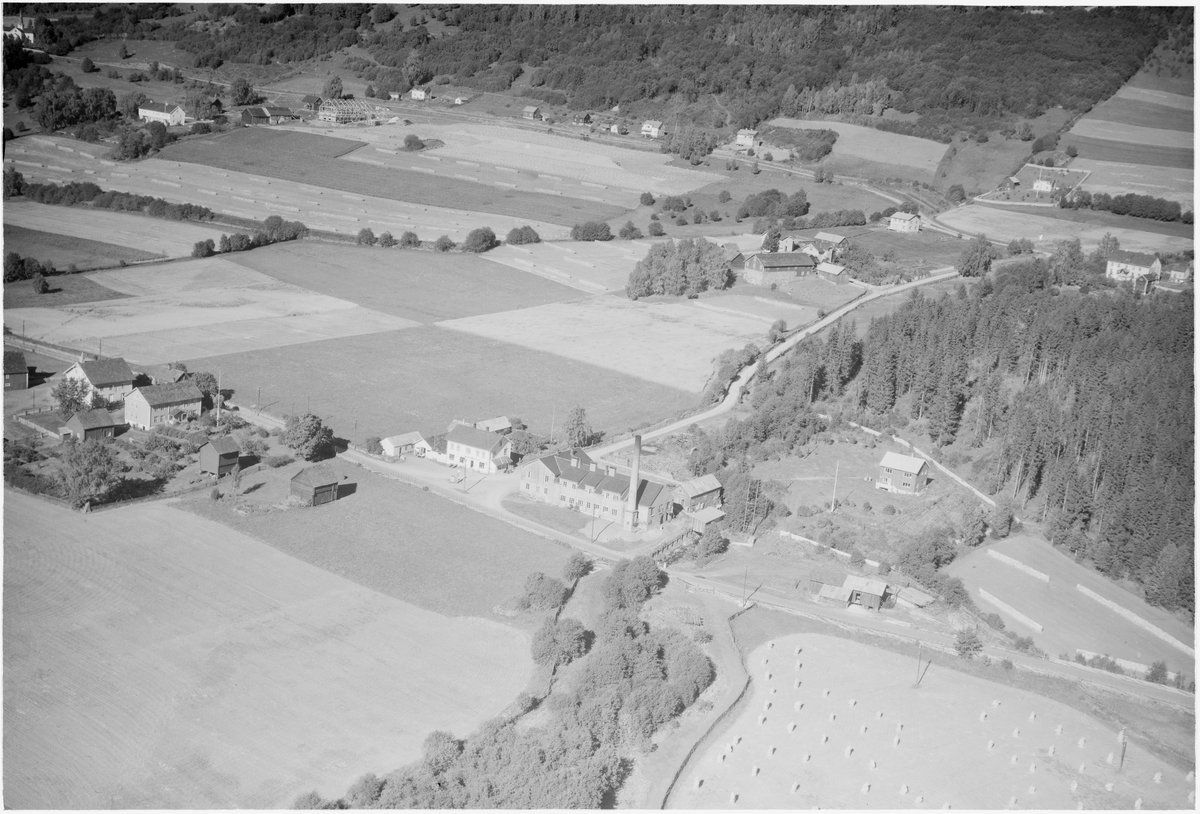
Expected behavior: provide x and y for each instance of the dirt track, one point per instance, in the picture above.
(153, 659)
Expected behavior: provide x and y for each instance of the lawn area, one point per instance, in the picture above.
(422, 286)
(65, 251)
(564, 520)
(65, 289)
(265, 152)
(392, 538)
(423, 377)
(1100, 218)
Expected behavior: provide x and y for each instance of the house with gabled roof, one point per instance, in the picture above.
(698, 493)
(745, 138)
(110, 379)
(865, 591)
(902, 473)
(433, 448)
(652, 128)
(91, 424)
(477, 449)
(315, 485)
(572, 480)
(168, 113)
(904, 222)
(531, 112)
(1124, 266)
(766, 268)
(311, 102)
(16, 370)
(832, 272)
(420, 94)
(397, 445)
(163, 404)
(219, 456)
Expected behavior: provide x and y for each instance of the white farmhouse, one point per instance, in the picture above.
(168, 113)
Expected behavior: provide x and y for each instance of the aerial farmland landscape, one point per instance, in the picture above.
(542, 407)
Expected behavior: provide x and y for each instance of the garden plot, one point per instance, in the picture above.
(1006, 226)
(257, 197)
(1116, 178)
(162, 237)
(876, 145)
(833, 723)
(671, 343)
(553, 158)
(198, 308)
(157, 660)
(586, 266)
(1071, 619)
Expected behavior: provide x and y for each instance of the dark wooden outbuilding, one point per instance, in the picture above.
(91, 424)
(219, 456)
(315, 485)
(16, 371)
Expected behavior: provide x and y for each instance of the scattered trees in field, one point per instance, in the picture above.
(629, 231)
(956, 193)
(386, 240)
(88, 470)
(309, 437)
(366, 237)
(333, 88)
(656, 229)
(520, 235)
(409, 240)
(777, 331)
(577, 567)
(17, 268)
(1022, 246)
(14, 183)
(591, 230)
(242, 92)
(480, 240)
(87, 66)
(39, 284)
(647, 199)
(443, 244)
(204, 248)
(413, 143)
(967, 644)
(679, 268)
(542, 593)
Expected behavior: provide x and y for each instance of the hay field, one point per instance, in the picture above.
(264, 152)
(1127, 110)
(868, 143)
(1096, 128)
(445, 557)
(667, 343)
(257, 197)
(1106, 150)
(415, 285)
(1071, 619)
(761, 308)
(65, 251)
(65, 289)
(845, 728)
(551, 157)
(154, 659)
(1117, 178)
(586, 266)
(422, 378)
(1164, 98)
(149, 236)
(197, 308)
(1004, 226)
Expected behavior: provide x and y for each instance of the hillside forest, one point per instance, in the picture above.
(959, 67)
(1073, 409)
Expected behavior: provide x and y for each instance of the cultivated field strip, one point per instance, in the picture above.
(1117, 178)
(832, 723)
(878, 145)
(199, 308)
(195, 667)
(573, 162)
(255, 197)
(162, 237)
(1000, 224)
(590, 267)
(1098, 128)
(1140, 113)
(627, 337)
(1157, 97)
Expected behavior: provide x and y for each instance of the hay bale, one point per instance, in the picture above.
(849, 751)
(866, 788)
(1033, 716)
(1158, 777)
(983, 716)
(1017, 733)
(903, 789)
(991, 745)
(1074, 785)
(1058, 729)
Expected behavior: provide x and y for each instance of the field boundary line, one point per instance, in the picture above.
(1137, 620)
(1010, 610)
(1020, 566)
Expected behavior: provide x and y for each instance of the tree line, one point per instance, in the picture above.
(1132, 204)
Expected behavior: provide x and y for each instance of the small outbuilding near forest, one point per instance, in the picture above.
(219, 456)
(315, 485)
(91, 424)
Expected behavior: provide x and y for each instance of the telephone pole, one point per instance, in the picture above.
(833, 505)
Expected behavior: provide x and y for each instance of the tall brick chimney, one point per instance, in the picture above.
(634, 481)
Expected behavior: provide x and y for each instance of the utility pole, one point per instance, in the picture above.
(258, 397)
(552, 417)
(745, 574)
(833, 505)
(218, 398)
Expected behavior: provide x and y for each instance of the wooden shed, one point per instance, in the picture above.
(865, 591)
(16, 370)
(315, 485)
(91, 424)
(219, 456)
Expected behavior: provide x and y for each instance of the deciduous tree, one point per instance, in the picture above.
(309, 437)
(71, 396)
(577, 431)
(333, 88)
(88, 470)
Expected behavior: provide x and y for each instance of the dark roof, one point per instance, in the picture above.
(164, 395)
(277, 111)
(316, 476)
(309, 99)
(576, 468)
(92, 420)
(777, 260)
(14, 362)
(471, 437)
(1132, 258)
(160, 107)
(224, 445)
(104, 372)
(256, 112)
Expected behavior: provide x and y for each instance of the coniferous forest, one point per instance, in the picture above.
(1078, 409)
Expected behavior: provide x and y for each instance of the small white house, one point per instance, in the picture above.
(479, 450)
(1124, 266)
(532, 112)
(403, 444)
(162, 404)
(652, 129)
(420, 94)
(745, 138)
(168, 113)
(394, 96)
(110, 379)
(904, 222)
(902, 473)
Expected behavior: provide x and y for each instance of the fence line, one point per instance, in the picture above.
(1137, 620)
